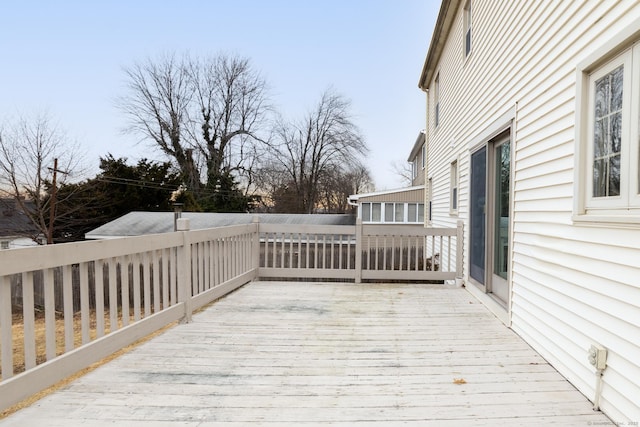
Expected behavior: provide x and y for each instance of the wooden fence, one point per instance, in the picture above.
(90, 299)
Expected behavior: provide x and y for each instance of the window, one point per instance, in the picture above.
(436, 98)
(609, 179)
(467, 28)
(398, 212)
(424, 156)
(430, 199)
(371, 212)
(393, 212)
(454, 187)
(376, 212)
(415, 212)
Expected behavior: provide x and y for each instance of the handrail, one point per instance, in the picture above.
(127, 288)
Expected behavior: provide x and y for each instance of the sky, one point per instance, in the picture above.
(66, 58)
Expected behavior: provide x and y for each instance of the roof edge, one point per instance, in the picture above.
(383, 192)
(440, 34)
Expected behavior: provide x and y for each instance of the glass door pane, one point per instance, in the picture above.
(477, 215)
(501, 217)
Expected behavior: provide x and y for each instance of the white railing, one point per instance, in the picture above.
(64, 307)
(361, 252)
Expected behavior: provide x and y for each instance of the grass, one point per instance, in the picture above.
(17, 330)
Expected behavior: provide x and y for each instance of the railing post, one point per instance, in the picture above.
(358, 261)
(255, 250)
(184, 269)
(459, 252)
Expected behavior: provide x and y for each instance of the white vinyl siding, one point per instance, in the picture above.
(571, 285)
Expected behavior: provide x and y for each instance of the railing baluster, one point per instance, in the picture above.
(136, 286)
(28, 321)
(99, 296)
(291, 250)
(206, 263)
(449, 253)
(156, 281)
(113, 295)
(49, 314)
(85, 313)
(166, 282)
(173, 285)
(67, 291)
(6, 321)
(125, 284)
(146, 280)
(282, 249)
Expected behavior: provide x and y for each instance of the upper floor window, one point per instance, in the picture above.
(609, 183)
(467, 28)
(424, 155)
(436, 98)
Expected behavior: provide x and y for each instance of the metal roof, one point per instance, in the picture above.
(141, 223)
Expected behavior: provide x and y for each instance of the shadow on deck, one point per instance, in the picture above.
(291, 353)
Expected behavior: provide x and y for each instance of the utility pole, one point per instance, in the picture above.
(52, 204)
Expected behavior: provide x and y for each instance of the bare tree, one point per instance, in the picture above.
(337, 185)
(206, 114)
(160, 94)
(34, 154)
(231, 109)
(324, 141)
(403, 171)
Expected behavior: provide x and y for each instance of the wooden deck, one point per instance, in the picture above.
(277, 353)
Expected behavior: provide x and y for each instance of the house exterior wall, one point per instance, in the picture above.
(413, 195)
(572, 284)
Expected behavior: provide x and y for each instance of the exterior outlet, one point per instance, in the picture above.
(598, 356)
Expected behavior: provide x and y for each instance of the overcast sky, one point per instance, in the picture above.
(67, 57)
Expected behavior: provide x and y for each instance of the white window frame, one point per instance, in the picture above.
(622, 49)
(429, 200)
(398, 212)
(454, 187)
(424, 155)
(467, 44)
(436, 100)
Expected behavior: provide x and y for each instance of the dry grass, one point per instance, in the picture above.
(18, 349)
(17, 333)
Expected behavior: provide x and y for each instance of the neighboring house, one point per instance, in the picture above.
(403, 205)
(418, 160)
(533, 141)
(16, 230)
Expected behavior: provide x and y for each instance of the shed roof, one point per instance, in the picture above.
(140, 223)
(13, 221)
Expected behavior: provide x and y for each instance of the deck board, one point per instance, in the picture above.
(276, 353)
